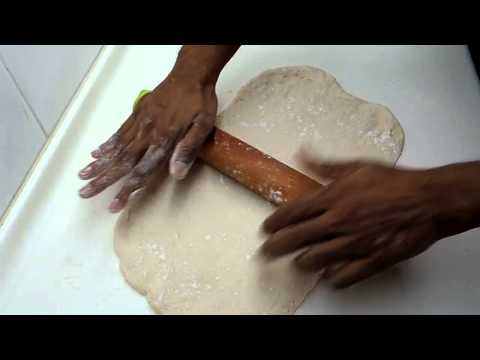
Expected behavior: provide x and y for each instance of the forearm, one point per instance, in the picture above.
(203, 62)
(457, 191)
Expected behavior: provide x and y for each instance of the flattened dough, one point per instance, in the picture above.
(191, 247)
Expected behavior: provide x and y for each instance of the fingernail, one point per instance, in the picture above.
(179, 169)
(86, 191)
(85, 172)
(115, 206)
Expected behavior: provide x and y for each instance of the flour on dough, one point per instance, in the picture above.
(191, 247)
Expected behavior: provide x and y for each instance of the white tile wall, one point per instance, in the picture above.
(20, 139)
(36, 84)
(48, 75)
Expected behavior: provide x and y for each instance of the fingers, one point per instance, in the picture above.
(362, 269)
(332, 269)
(152, 159)
(314, 204)
(93, 169)
(354, 272)
(103, 162)
(108, 177)
(96, 154)
(321, 255)
(294, 237)
(186, 150)
(326, 169)
(154, 156)
(334, 171)
(118, 157)
(123, 135)
(308, 206)
(106, 148)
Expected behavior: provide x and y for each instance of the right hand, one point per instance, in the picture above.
(169, 124)
(371, 217)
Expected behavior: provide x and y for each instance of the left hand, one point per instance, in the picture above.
(170, 124)
(370, 217)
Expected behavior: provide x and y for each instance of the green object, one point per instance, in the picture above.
(140, 96)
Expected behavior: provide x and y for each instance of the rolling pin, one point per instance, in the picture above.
(259, 172)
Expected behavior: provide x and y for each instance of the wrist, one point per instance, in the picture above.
(202, 63)
(457, 192)
(193, 71)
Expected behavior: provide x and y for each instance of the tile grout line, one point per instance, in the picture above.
(77, 88)
(26, 107)
(3, 215)
(24, 99)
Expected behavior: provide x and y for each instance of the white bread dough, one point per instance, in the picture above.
(191, 247)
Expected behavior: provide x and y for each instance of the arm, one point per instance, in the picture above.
(204, 62)
(169, 124)
(372, 217)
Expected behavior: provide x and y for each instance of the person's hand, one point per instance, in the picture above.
(169, 124)
(372, 217)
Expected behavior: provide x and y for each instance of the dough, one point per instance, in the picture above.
(191, 246)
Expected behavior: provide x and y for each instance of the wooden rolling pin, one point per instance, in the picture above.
(259, 172)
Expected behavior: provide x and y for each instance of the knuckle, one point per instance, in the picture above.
(186, 154)
(172, 129)
(187, 147)
(169, 135)
(100, 163)
(143, 169)
(152, 105)
(101, 182)
(204, 120)
(126, 165)
(139, 171)
(141, 114)
(146, 121)
(163, 141)
(204, 127)
(155, 155)
(134, 182)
